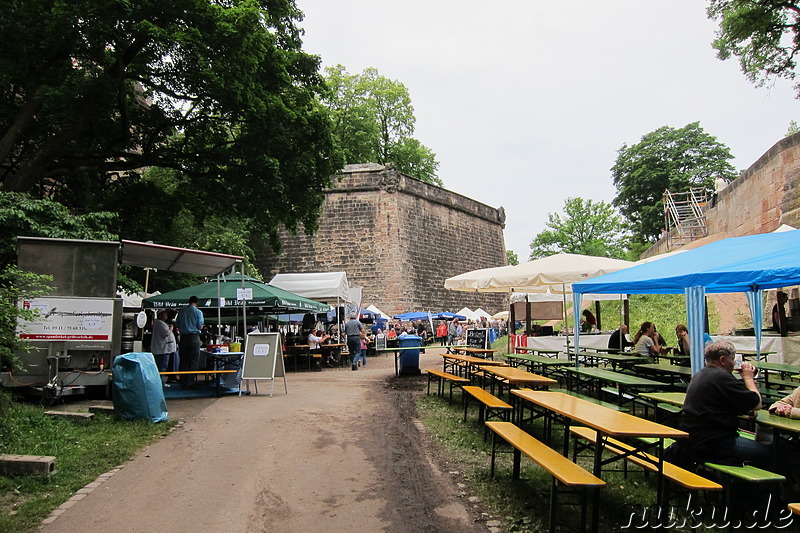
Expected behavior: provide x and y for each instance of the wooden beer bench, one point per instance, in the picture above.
(489, 405)
(560, 468)
(441, 377)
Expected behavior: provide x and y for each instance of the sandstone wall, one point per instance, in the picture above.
(399, 239)
(762, 198)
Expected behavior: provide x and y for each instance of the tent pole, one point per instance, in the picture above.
(244, 306)
(219, 312)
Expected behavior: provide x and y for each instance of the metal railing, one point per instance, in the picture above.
(684, 216)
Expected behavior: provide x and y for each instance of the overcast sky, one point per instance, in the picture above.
(525, 103)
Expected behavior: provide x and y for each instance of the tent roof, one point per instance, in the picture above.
(325, 287)
(551, 271)
(270, 299)
(158, 256)
(374, 309)
(737, 264)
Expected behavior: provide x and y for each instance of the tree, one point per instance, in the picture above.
(587, 227)
(763, 34)
(21, 215)
(220, 92)
(374, 122)
(665, 159)
(16, 285)
(512, 257)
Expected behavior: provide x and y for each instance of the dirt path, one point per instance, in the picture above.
(342, 450)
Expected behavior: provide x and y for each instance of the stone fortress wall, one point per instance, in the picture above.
(398, 238)
(762, 198)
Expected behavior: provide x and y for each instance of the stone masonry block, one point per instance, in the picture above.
(23, 465)
(77, 417)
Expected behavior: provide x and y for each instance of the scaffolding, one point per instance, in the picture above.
(684, 216)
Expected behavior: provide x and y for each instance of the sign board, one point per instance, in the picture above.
(244, 294)
(478, 338)
(380, 342)
(263, 359)
(68, 319)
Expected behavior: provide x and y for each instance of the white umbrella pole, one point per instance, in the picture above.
(244, 306)
(219, 313)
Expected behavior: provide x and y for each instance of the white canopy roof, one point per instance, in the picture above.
(549, 273)
(327, 287)
(467, 312)
(374, 309)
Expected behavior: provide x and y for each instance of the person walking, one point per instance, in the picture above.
(353, 329)
(190, 321)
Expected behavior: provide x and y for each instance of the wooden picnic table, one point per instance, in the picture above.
(623, 382)
(672, 398)
(683, 360)
(540, 351)
(518, 377)
(783, 369)
(397, 351)
(469, 350)
(615, 359)
(753, 353)
(538, 363)
(779, 425)
(450, 363)
(607, 423)
(674, 373)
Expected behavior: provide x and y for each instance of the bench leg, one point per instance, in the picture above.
(517, 461)
(552, 518)
(494, 449)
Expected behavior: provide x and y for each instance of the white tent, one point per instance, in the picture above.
(374, 309)
(467, 312)
(480, 313)
(328, 287)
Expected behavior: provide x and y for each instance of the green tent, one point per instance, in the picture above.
(222, 294)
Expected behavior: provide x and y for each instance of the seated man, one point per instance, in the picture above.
(714, 400)
(619, 340)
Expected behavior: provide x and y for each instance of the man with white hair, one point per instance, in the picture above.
(354, 332)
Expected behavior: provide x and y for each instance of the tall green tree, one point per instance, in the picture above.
(374, 121)
(763, 34)
(221, 92)
(511, 257)
(665, 159)
(586, 227)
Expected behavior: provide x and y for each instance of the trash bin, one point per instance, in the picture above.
(409, 359)
(137, 389)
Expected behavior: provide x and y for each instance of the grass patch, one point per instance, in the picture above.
(82, 450)
(522, 505)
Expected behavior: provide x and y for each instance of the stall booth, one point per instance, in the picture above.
(81, 327)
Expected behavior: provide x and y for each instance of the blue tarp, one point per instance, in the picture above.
(447, 316)
(747, 264)
(738, 264)
(413, 315)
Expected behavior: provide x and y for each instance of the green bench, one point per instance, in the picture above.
(685, 479)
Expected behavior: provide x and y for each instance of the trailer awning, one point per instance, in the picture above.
(158, 256)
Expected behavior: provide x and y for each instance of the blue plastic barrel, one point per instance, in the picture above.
(409, 359)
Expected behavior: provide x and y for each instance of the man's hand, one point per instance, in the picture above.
(748, 371)
(783, 409)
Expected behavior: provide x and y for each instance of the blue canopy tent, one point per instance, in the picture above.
(413, 315)
(747, 264)
(445, 315)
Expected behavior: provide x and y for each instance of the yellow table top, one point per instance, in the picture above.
(471, 360)
(518, 376)
(603, 419)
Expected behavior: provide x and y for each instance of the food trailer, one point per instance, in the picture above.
(81, 326)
